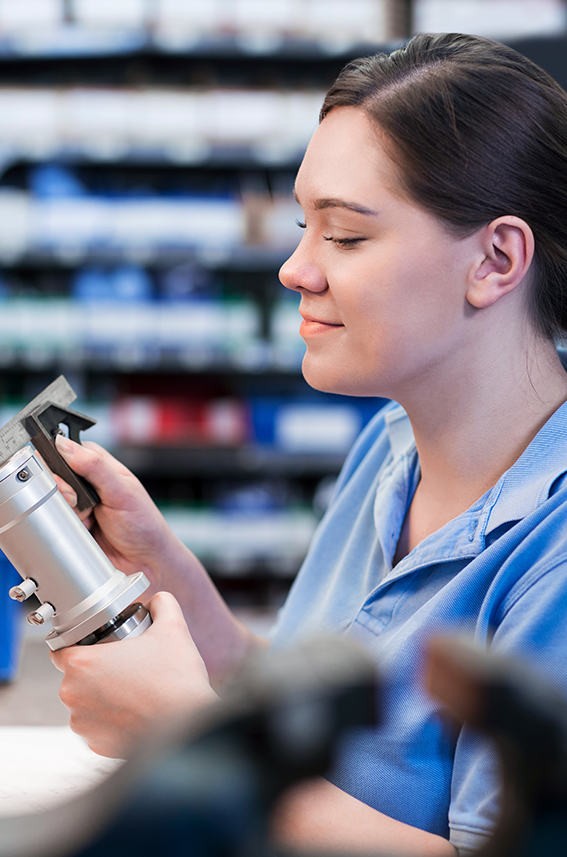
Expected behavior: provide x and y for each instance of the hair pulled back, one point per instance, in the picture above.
(477, 131)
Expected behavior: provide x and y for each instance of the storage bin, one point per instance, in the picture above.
(10, 622)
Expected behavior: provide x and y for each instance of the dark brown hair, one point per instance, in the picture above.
(478, 131)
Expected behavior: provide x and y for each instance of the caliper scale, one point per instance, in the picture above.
(87, 599)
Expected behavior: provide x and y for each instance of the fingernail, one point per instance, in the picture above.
(70, 498)
(64, 444)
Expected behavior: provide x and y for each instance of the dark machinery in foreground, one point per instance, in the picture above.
(209, 791)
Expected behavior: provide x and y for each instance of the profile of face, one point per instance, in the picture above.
(383, 283)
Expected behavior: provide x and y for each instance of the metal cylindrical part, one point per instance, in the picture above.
(44, 612)
(44, 539)
(26, 588)
(132, 622)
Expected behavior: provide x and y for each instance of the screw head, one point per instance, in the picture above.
(23, 475)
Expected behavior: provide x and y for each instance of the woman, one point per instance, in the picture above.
(432, 271)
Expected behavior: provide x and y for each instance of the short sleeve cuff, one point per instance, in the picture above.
(468, 842)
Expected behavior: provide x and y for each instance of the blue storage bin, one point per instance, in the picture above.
(266, 411)
(10, 621)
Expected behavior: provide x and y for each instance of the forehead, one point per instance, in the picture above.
(346, 159)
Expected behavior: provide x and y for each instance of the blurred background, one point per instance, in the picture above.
(147, 153)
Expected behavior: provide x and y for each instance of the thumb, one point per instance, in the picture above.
(164, 608)
(167, 617)
(100, 468)
(168, 623)
(59, 659)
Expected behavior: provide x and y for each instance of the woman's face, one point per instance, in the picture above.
(382, 283)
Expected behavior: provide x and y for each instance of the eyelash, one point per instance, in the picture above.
(345, 243)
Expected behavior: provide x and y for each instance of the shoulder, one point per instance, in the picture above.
(526, 602)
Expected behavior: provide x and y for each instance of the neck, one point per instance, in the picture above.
(476, 421)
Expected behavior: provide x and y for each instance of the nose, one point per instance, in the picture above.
(302, 273)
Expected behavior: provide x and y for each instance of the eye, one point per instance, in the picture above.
(300, 224)
(345, 243)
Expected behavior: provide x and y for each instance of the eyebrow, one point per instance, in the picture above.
(333, 202)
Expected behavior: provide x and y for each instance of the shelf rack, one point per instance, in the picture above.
(186, 476)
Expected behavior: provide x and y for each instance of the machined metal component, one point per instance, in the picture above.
(39, 422)
(45, 541)
(132, 622)
(44, 612)
(14, 435)
(26, 588)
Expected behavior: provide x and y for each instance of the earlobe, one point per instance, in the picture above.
(507, 251)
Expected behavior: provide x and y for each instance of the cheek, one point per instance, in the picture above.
(403, 302)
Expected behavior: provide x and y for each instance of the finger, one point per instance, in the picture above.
(100, 468)
(164, 609)
(66, 490)
(168, 622)
(59, 659)
(169, 631)
(70, 497)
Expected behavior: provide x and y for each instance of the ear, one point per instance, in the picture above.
(507, 249)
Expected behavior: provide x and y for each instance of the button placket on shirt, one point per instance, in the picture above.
(468, 543)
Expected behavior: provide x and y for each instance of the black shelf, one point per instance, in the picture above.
(246, 461)
(180, 476)
(90, 364)
(140, 161)
(222, 60)
(250, 258)
(206, 157)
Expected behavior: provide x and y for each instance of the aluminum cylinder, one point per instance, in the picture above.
(45, 541)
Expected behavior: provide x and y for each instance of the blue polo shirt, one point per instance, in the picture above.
(497, 572)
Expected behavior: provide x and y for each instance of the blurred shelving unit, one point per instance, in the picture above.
(147, 159)
(147, 153)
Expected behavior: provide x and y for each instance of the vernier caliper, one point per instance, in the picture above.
(79, 590)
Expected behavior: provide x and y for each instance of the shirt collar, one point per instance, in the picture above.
(522, 488)
(400, 432)
(529, 482)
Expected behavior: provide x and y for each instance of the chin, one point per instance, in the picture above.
(324, 379)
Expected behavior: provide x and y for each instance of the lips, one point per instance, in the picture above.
(311, 319)
(311, 326)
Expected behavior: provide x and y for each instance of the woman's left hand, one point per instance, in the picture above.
(120, 692)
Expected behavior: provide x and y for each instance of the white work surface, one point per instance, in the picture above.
(42, 763)
(42, 766)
